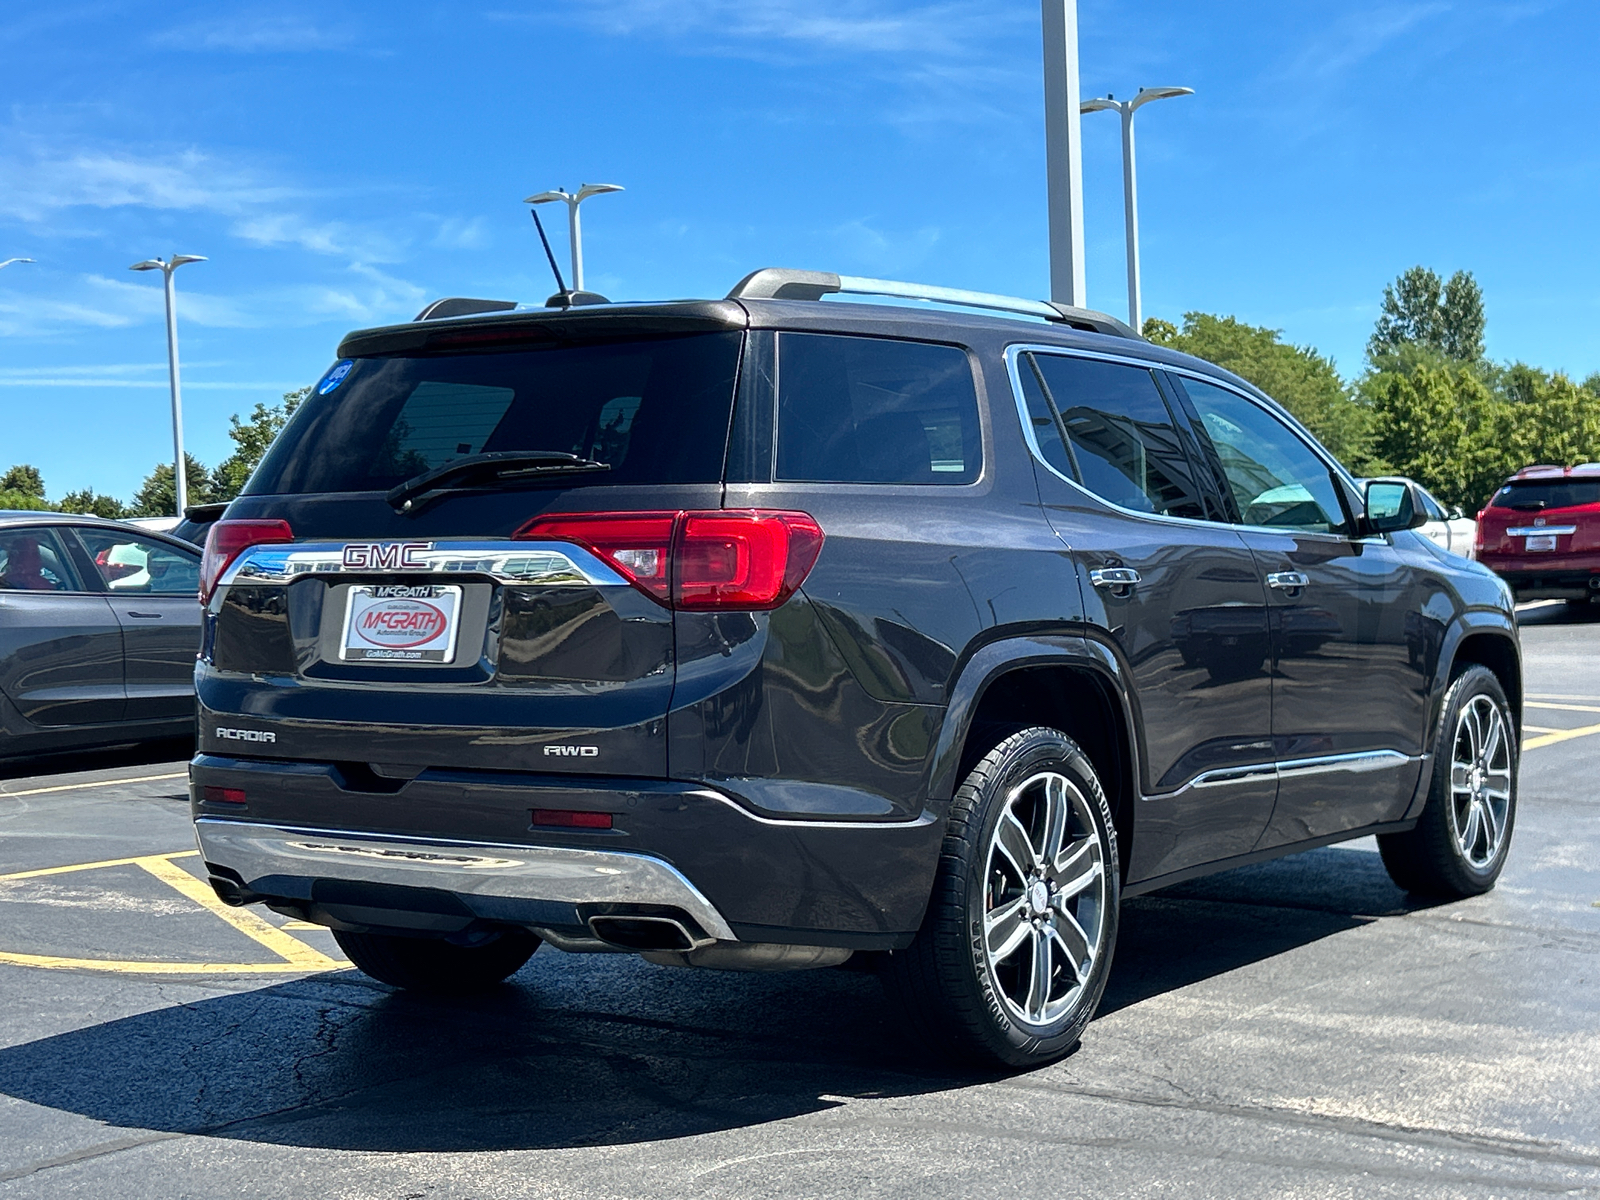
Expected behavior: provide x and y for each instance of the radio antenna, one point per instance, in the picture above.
(561, 284)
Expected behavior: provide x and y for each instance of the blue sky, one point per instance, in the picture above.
(342, 163)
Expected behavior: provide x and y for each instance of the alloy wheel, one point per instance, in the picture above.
(1480, 781)
(1045, 895)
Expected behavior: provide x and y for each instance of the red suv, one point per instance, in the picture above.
(1541, 532)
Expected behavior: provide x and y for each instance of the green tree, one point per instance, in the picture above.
(1443, 426)
(23, 479)
(157, 497)
(250, 441)
(94, 504)
(1421, 310)
(1297, 377)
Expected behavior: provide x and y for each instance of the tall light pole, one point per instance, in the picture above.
(9, 261)
(180, 474)
(1130, 188)
(574, 230)
(1063, 139)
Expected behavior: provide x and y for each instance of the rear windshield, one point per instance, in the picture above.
(1547, 493)
(657, 410)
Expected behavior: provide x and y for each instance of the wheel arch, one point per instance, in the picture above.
(1494, 647)
(1057, 681)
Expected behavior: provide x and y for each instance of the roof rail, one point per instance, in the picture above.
(461, 306)
(780, 283)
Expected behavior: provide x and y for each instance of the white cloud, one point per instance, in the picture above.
(459, 233)
(258, 33)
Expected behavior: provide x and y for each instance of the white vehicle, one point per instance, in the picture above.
(1449, 529)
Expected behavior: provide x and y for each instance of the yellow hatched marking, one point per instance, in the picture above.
(1540, 728)
(296, 955)
(1561, 735)
(74, 787)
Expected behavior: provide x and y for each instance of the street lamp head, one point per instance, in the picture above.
(149, 264)
(1098, 105)
(179, 260)
(595, 189)
(1162, 93)
(547, 197)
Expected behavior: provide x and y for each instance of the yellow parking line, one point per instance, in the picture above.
(1561, 707)
(1560, 696)
(290, 949)
(107, 862)
(74, 787)
(296, 955)
(1541, 728)
(1561, 735)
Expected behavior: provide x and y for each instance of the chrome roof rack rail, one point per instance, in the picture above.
(779, 283)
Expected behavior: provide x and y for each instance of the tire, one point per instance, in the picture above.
(1459, 845)
(435, 965)
(1002, 905)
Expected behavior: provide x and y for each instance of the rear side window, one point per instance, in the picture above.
(134, 565)
(874, 410)
(1121, 440)
(1547, 493)
(656, 409)
(34, 560)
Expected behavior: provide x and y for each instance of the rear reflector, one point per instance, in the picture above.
(748, 559)
(230, 538)
(571, 818)
(222, 795)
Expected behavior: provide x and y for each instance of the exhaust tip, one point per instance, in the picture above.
(645, 933)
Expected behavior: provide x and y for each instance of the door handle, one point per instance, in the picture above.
(1288, 581)
(149, 616)
(1120, 580)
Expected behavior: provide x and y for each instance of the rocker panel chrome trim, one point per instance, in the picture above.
(1357, 762)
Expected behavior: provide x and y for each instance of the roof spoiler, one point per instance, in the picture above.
(462, 306)
(779, 283)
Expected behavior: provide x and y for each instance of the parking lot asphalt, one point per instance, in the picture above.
(1296, 1028)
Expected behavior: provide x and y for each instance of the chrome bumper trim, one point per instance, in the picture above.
(552, 873)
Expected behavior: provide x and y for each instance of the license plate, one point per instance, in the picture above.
(395, 623)
(1541, 541)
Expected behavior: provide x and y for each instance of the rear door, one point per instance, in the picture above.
(153, 588)
(550, 658)
(1175, 590)
(1354, 639)
(60, 642)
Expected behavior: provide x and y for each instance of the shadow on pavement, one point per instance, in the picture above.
(607, 1050)
(1558, 612)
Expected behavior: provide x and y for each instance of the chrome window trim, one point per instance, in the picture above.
(527, 563)
(1356, 762)
(1017, 349)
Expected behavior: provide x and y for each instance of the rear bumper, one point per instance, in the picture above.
(326, 837)
(1545, 583)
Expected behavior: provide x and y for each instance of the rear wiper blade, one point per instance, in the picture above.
(496, 465)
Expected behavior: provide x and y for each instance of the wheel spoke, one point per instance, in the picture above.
(1460, 777)
(1005, 927)
(1491, 827)
(1495, 739)
(1469, 834)
(1012, 840)
(1057, 811)
(1074, 941)
(1039, 980)
(1077, 869)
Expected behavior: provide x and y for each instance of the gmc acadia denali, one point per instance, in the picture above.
(764, 632)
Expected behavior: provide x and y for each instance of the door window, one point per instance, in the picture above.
(137, 566)
(34, 560)
(874, 410)
(1107, 426)
(1275, 478)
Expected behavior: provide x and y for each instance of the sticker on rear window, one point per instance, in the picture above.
(335, 377)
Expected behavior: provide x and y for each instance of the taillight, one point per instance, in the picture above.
(749, 559)
(230, 538)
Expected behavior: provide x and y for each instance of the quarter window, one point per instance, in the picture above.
(1108, 426)
(1275, 478)
(874, 410)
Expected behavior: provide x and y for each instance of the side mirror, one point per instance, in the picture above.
(1393, 504)
(1456, 514)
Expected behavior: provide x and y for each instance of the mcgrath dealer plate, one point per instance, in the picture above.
(399, 623)
(1541, 541)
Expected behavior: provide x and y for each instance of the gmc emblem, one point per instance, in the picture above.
(386, 556)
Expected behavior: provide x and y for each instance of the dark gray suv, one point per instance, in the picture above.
(764, 633)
